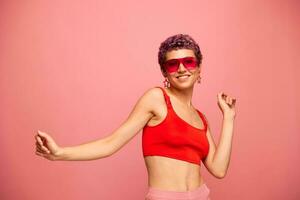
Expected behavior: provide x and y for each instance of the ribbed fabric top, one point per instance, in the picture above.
(175, 138)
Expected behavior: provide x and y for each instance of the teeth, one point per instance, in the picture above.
(183, 76)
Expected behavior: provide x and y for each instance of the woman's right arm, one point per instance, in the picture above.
(104, 147)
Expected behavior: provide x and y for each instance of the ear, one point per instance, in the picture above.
(200, 67)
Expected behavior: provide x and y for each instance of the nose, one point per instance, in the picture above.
(181, 67)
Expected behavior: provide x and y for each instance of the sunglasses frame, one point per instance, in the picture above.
(181, 60)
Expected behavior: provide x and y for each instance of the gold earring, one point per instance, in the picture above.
(199, 79)
(166, 83)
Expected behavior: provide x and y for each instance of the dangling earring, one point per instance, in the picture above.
(199, 79)
(166, 83)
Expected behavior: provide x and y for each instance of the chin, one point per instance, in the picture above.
(183, 85)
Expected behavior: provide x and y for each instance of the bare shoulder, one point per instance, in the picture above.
(153, 97)
(143, 111)
(154, 92)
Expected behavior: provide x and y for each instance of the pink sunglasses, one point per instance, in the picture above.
(172, 65)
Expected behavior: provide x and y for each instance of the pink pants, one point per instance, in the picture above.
(201, 193)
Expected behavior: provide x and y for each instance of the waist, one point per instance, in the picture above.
(171, 174)
(178, 186)
(200, 191)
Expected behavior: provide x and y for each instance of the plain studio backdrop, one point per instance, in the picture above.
(75, 69)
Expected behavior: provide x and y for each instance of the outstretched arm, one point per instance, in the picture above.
(104, 147)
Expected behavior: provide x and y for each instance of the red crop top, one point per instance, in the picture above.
(175, 138)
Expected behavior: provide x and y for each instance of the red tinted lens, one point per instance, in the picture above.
(172, 65)
(190, 62)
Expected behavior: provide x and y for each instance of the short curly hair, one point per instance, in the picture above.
(178, 41)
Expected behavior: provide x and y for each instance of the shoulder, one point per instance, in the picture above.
(153, 98)
(153, 93)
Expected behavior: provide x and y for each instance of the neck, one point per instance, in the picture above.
(183, 96)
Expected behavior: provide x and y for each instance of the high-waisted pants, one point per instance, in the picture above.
(201, 193)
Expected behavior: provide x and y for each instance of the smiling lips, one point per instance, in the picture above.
(183, 76)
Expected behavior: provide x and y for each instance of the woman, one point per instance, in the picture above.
(176, 136)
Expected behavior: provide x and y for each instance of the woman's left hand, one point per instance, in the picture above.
(227, 105)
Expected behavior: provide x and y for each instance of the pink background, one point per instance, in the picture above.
(75, 69)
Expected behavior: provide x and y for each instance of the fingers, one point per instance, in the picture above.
(39, 140)
(42, 134)
(45, 136)
(40, 146)
(40, 154)
(42, 149)
(220, 96)
(47, 156)
(233, 102)
(229, 100)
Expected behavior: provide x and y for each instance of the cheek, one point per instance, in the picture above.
(197, 73)
(173, 77)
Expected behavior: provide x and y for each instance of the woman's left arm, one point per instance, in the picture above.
(217, 160)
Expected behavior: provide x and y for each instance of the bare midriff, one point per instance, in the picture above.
(171, 174)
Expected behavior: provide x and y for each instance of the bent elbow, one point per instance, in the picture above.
(220, 175)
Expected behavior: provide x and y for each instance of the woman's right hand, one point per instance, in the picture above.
(46, 146)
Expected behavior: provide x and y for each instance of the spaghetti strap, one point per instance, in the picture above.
(203, 119)
(166, 96)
